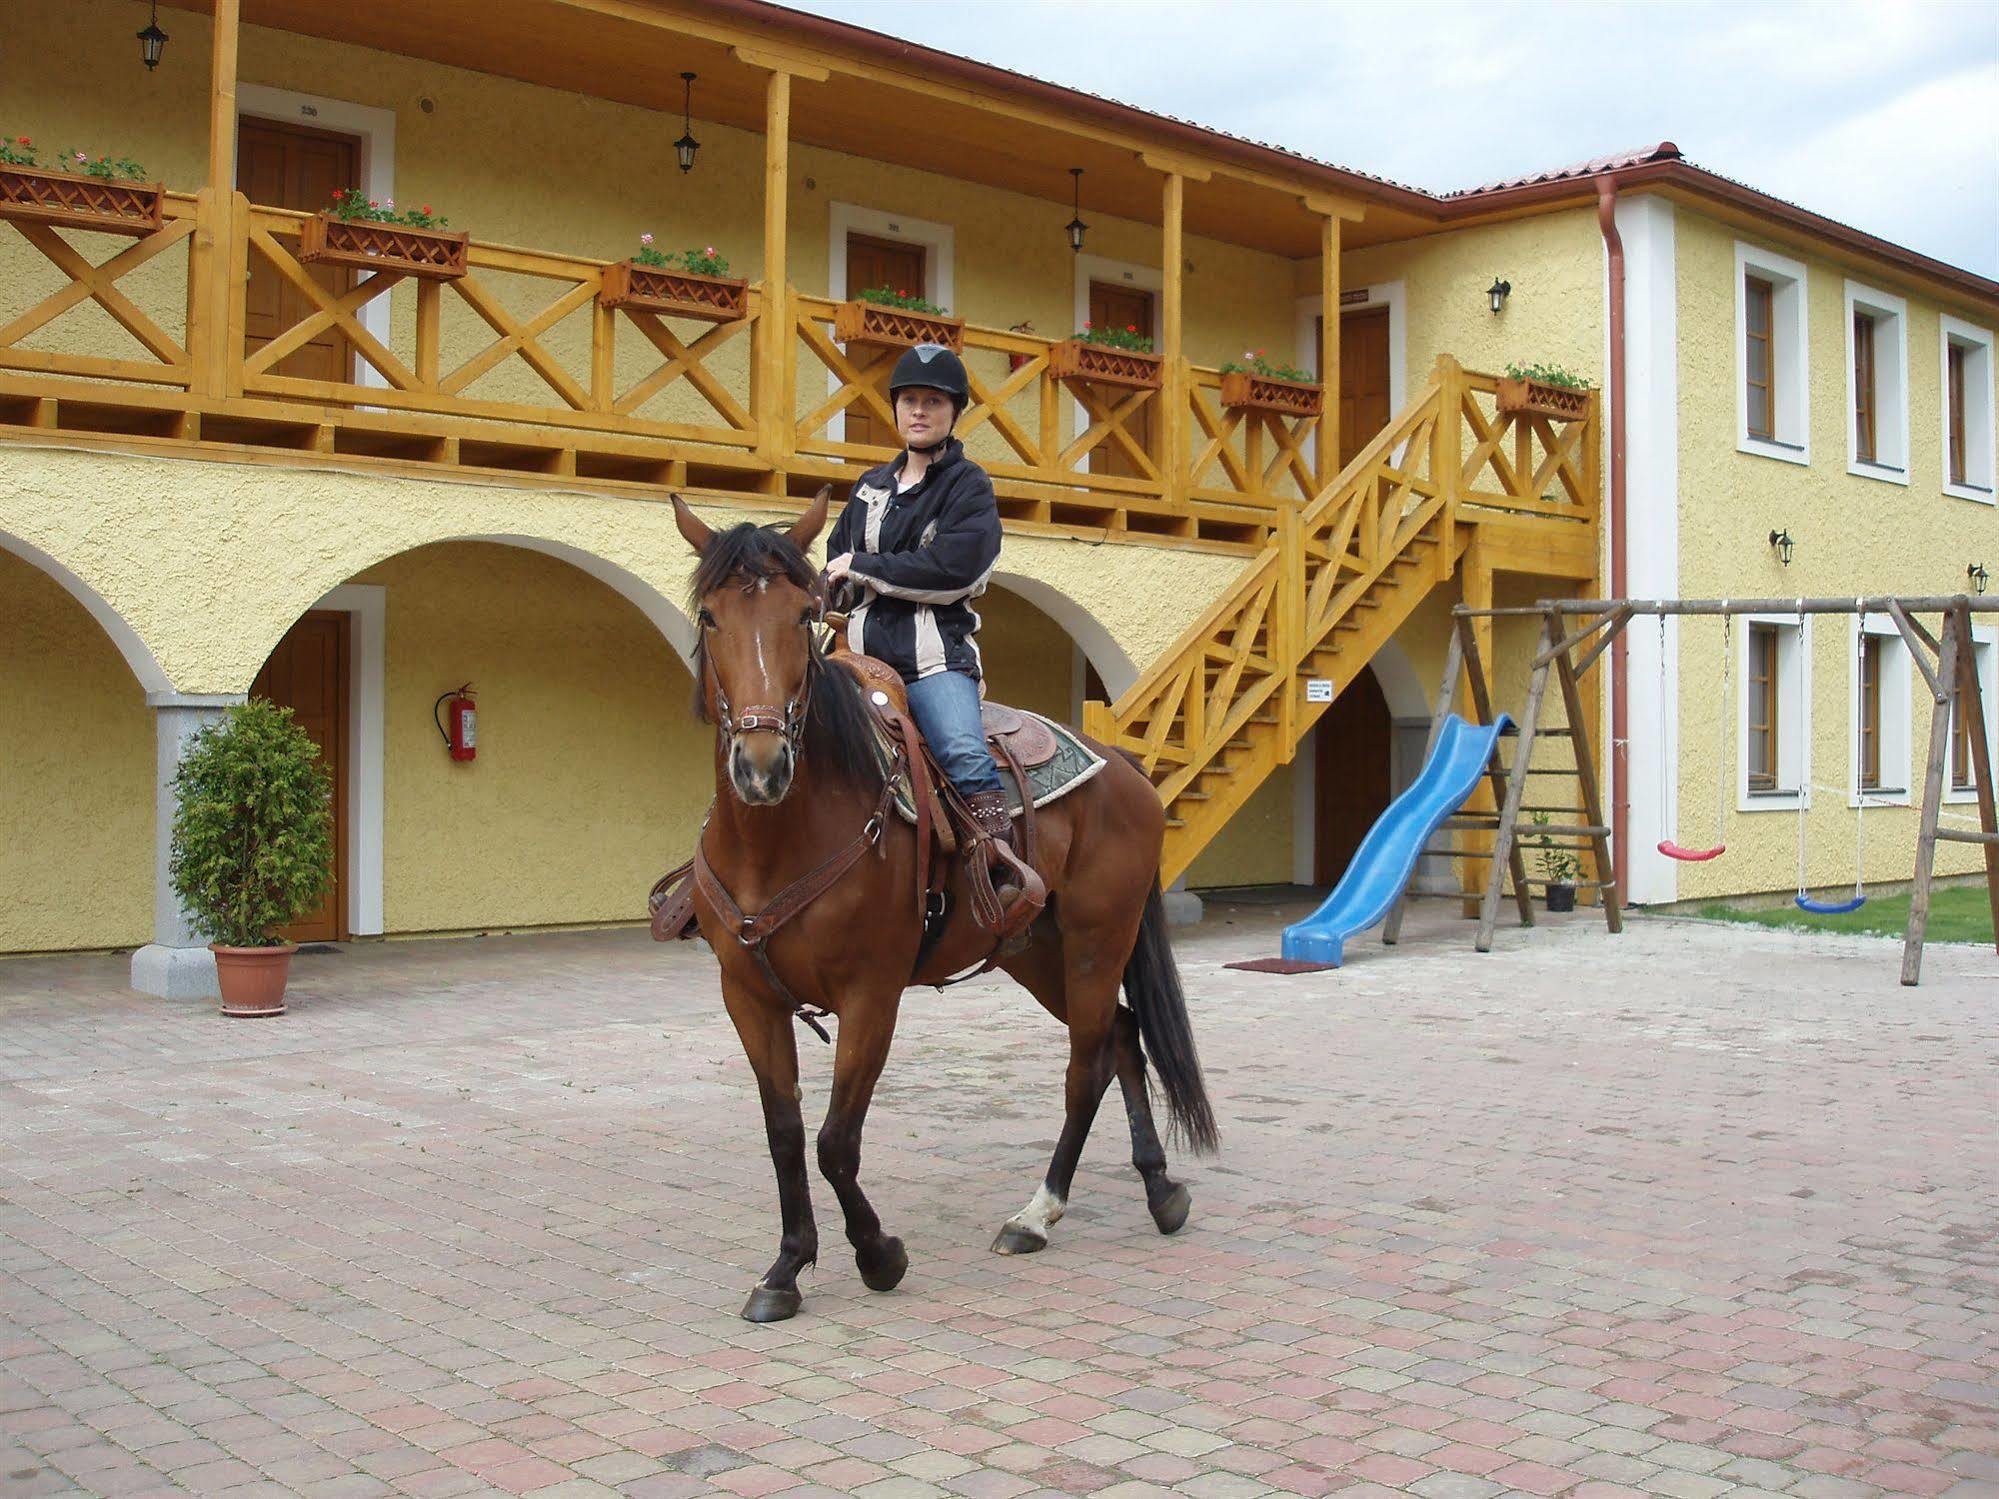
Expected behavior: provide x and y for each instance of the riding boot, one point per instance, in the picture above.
(989, 810)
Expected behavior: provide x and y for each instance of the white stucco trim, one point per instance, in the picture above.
(1648, 227)
(138, 655)
(1390, 294)
(939, 268)
(1790, 353)
(1096, 643)
(1980, 470)
(1898, 710)
(366, 606)
(1891, 385)
(1984, 641)
(1794, 710)
(1101, 268)
(377, 131)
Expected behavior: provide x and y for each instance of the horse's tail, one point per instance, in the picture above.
(1152, 984)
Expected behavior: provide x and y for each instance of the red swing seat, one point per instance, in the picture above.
(1673, 850)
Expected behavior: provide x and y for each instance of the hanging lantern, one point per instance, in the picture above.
(687, 145)
(152, 41)
(1076, 227)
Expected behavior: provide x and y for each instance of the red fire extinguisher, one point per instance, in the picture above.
(458, 721)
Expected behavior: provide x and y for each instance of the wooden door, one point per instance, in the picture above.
(1115, 305)
(1364, 408)
(308, 674)
(290, 166)
(1355, 744)
(882, 262)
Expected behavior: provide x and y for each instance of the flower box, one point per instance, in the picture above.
(1245, 390)
(66, 201)
(860, 322)
(1073, 359)
(1533, 398)
(432, 254)
(652, 288)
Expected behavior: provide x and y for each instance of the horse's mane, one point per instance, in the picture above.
(838, 734)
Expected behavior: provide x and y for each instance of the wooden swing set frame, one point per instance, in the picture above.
(1575, 635)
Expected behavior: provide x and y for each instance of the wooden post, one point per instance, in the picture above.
(1476, 593)
(1505, 850)
(1592, 799)
(1173, 423)
(1926, 833)
(1971, 713)
(1447, 458)
(1328, 451)
(215, 233)
(776, 414)
(1287, 634)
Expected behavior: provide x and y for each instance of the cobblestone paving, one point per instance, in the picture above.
(1694, 1212)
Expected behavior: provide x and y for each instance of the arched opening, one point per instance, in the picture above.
(1045, 659)
(1354, 773)
(589, 773)
(77, 746)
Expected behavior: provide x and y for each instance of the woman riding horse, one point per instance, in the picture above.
(918, 540)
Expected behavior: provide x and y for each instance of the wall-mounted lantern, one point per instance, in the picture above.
(1781, 540)
(687, 145)
(152, 41)
(1977, 576)
(1498, 292)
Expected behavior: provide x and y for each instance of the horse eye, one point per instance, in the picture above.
(705, 620)
(806, 616)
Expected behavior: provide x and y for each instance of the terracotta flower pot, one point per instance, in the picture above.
(252, 979)
(1561, 402)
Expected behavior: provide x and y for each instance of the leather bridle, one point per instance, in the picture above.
(790, 720)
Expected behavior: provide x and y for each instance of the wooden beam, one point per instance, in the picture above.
(1331, 207)
(1328, 442)
(1175, 166)
(222, 97)
(776, 443)
(1936, 769)
(215, 236)
(775, 62)
(1173, 429)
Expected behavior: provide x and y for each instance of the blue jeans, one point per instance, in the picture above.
(946, 707)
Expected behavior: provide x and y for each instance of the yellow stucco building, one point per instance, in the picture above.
(228, 463)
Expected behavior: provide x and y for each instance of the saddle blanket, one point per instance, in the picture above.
(1073, 763)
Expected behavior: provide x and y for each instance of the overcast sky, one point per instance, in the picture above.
(1884, 116)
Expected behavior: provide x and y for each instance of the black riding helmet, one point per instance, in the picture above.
(936, 368)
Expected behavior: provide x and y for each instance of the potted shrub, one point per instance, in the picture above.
(77, 191)
(1107, 356)
(1254, 383)
(252, 846)
(372, 235)
(682, 283)
(1544, 390)
(882, 315)
(1559, 867)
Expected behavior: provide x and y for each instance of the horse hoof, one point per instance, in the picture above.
(772, 1304)
(1170, 1212)
(1016, 1240)
(885, 1268)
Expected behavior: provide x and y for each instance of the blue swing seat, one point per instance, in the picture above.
(1829, 907)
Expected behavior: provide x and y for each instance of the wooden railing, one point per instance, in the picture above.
(1229, 696)
(517, 365)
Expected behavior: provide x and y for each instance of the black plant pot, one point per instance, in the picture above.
(1561, 897)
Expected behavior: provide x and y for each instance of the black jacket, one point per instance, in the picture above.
(920, 558)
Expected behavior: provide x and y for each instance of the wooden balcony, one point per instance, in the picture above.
(517, 368)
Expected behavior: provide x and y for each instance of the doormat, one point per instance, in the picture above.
(1280, 965)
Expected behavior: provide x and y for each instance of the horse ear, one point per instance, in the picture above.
(691, 525)
(808, 526)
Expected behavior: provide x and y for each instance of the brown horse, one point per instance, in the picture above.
(797, 787)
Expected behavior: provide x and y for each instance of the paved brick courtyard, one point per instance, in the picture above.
(1697, 1211)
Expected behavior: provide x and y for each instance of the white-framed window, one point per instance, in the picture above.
(1773, 713)
(1880, 711)
(1965, 379)
(1877, 384)
(1772, 363)
(1957, 764)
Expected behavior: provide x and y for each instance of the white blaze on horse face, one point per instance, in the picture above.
(1043, 1211)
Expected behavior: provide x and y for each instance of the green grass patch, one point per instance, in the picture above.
(1959, 914)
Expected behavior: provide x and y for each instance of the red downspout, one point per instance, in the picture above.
(1620, 703)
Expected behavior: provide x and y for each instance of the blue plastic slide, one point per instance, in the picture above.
(1387, 856)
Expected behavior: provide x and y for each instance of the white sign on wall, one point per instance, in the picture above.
(1318, 690)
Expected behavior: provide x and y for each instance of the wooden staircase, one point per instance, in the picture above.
(1341, 574)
